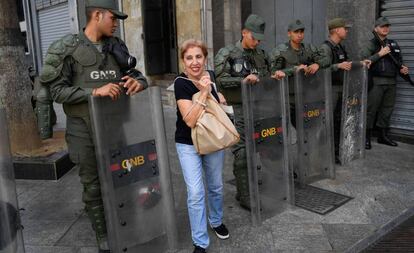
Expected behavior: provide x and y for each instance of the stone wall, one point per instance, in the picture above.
(227, 20)
(188, 20)
(133, 27)
(362, 14)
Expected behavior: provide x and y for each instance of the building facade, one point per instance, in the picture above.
(156, 28)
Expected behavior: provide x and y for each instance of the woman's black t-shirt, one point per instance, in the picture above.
(185, 89)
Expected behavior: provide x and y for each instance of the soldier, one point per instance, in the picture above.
(234, 65)
(293, 56)
(338, 58)
(91, 63)
(381, 96)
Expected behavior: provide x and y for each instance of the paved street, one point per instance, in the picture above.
(382, 186)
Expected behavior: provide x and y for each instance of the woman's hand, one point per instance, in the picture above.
(205, 84)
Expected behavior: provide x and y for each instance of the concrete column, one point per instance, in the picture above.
(188, 20)
(361, 14)
(133, 27)
(232, 21)
(207, 30)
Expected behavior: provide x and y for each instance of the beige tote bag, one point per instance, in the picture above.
(214, 130)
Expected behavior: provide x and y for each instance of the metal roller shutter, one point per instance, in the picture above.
(54, 22)
(401, 15)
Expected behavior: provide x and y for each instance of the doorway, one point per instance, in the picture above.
(160, 40)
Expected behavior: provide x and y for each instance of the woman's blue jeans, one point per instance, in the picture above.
(193, 165)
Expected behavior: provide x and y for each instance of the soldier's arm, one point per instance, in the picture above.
(320, 57)
(277, 62)
(222, 69)
(368, 52)
(326, 50)
(61, 88)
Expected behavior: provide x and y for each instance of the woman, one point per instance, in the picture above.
(195, 78)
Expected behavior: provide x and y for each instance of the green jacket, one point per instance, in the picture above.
(286, 59)
(73, 69)
(229, 78)
(335, 58)
(327, 51)
(369, 52)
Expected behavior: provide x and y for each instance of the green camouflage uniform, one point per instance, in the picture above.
(73, 68)
(229, 81)
(286, 59)
(381, 97)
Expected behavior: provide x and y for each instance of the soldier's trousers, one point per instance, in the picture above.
(82, 153)
(381, 100)
(240, 160)
(337, 116)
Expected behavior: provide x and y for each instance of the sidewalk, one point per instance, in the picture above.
(382, 186)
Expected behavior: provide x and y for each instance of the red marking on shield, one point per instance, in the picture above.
(115, 167)
(152, 156)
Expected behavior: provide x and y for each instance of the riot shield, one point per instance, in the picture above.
(354, 109)
(314, 126)
(11, 239)
(266, 117)
(134, 172)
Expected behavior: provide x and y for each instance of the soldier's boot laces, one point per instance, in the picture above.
(384, 139)
(368, 140)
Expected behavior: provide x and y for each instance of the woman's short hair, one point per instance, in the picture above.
(192, 43)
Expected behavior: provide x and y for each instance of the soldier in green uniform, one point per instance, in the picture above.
(294, 55)
(235, 64)
(339, 60)
(91, 63)
(381, 96)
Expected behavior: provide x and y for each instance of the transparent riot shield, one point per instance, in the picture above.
(11, 239)
(314, 126)
(354, 109)
(266, 117)
(134, 172)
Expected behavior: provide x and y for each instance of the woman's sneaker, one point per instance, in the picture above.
(198, 249)
(221, 232)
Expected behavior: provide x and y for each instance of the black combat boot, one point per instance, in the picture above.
(368, 139)
(384, 139)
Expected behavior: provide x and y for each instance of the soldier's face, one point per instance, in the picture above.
(383, 30)
(194, 61)
(107, 23)
(296, 36)
(342, 32)
(248, 40)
